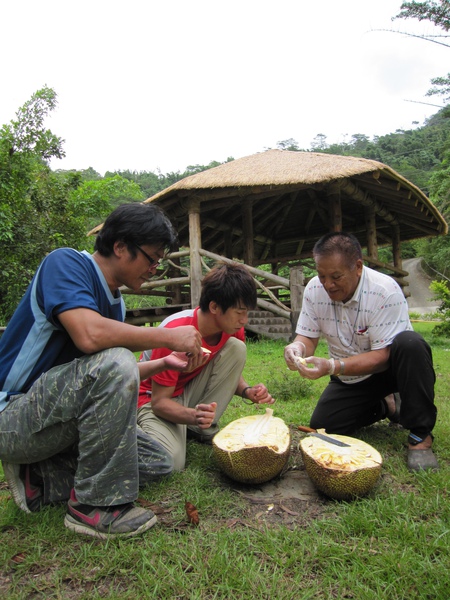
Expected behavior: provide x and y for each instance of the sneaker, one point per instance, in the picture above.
(124, 520)
(26, 495)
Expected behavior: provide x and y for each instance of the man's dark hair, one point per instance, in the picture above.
(229, 286)
(338, 242)
(136, 224)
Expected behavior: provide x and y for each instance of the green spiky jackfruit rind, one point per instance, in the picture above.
(341, 484)
(253, 449)
(251, 465)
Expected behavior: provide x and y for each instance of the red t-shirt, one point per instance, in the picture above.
(176, 379)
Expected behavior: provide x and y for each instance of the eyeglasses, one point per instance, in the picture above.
(153, 263)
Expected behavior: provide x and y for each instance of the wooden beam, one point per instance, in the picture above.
(195, 244)
(396, 250)
(354, 192)
(371, 228)
(334, 207)
(297, 287)
(259, 272)
(247, 227)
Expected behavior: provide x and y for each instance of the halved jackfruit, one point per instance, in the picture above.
(253, 449)
(342, 473)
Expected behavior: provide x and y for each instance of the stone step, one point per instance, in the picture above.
(271, 332)
(269, 321)
(259, 314)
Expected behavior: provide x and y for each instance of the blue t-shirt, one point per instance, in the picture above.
(34, 340)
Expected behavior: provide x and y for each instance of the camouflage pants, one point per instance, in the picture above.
(77, 426)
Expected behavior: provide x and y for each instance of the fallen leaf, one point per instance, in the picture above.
(17, 559)
(192, 513)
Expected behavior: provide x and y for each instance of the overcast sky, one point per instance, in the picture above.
(163, 84)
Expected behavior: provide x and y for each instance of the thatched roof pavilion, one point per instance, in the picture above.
(272, 207)
(295, 197)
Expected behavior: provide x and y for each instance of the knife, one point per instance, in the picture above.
(330, 439)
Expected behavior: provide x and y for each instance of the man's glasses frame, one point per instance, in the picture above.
(153, 263)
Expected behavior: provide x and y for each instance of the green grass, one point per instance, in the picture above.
(393, 544)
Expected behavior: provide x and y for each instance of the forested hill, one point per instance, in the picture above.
(415, 153)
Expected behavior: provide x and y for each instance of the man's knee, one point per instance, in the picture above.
(410, 342)
(237, 349)
(118, 365)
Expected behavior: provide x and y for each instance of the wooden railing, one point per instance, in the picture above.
(279, 295)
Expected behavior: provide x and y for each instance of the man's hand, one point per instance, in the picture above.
(176, 361)
(292, 353)
(204, 415)
(314, 367)
(259, 394)
(184, 339)
(185, 362)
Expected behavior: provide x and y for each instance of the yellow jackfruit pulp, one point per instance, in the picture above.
(253, 449)
(339, 472)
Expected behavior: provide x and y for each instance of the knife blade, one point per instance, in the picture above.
(328, 438)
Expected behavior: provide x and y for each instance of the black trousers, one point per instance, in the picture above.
(344, 408)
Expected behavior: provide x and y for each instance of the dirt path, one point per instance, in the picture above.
(420, 300)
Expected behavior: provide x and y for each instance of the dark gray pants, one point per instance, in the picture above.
(77, 425)
(344, 408)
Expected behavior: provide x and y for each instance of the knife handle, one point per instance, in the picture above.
(306, 429)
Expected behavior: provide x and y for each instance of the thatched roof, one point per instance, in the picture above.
(277, 167)
(290, 194)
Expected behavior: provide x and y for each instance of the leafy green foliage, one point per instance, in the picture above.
(96, 198)
(38, 208)
(437, 13)
(441, 292)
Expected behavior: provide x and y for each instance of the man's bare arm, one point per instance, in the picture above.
(91, 333)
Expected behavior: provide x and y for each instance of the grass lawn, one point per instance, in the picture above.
(393, 544)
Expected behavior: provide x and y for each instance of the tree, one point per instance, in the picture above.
(97, 198)
(319, 142)
(289, 144)
(437, 13)
(36, 212)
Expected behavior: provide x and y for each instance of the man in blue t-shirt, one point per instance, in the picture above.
(69, 379)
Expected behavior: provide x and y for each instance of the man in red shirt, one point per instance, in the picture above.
(173, 404)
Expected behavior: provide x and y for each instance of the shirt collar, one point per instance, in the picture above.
(357, 293)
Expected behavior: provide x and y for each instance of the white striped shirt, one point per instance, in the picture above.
(370, 320)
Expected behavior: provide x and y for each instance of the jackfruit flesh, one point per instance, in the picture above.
(253, 449)
(341, 472)
(300, 361)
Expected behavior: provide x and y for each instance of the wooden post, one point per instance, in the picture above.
(396, 252)
(397, 259)
(371, 229)
(177, 299)
(297, 287)
(195, 244)
(334, 207)
(247, 228)
(227, 242)
(274, 270)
